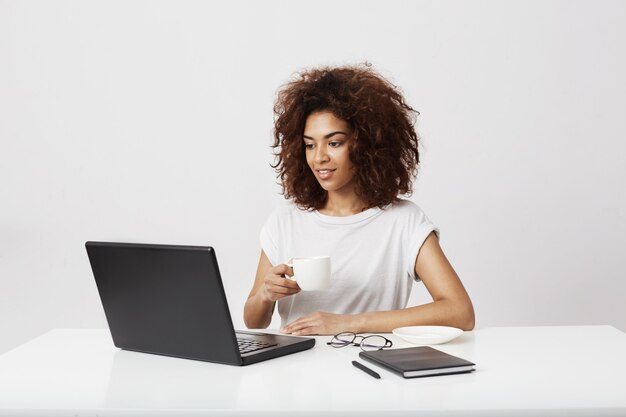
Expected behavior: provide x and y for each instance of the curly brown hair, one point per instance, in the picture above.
(384, 149)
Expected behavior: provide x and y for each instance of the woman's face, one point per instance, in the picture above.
(326, 140)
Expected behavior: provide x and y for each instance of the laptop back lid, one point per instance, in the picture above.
(164, 299)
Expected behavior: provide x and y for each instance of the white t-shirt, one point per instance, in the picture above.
(372, 255)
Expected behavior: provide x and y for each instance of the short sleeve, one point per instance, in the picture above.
(419, 227)
(269, 238)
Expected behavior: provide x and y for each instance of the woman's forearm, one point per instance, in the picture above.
(257, 312)
(438, 313)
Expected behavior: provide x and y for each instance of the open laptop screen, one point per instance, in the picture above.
(164, 299)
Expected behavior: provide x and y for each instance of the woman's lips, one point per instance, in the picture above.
(325, 174)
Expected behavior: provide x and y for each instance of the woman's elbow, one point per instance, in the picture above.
(460, 314)
(252, 319)
(467, 318)
(255, 323)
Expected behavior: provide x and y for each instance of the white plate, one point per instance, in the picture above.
(427, 335)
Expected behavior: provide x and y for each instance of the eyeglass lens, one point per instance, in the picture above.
(368, 343)
(342, 339)
(374, 342)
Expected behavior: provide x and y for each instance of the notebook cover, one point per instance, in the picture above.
(422, 358)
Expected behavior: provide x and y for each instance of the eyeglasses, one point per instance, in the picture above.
(367, 343)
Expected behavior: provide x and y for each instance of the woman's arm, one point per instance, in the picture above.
(451, 304)
(269, 286)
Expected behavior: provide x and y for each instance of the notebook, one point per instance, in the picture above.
(170, 300)
(418, 361)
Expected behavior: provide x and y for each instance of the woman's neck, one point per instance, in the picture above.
(338, 205)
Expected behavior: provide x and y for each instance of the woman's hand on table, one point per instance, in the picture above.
(320, 323)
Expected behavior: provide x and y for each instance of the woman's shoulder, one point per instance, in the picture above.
(285, 211)
(288, 208)
(404, 207)
(411, 217)
(408, 212)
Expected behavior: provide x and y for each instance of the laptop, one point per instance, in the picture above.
(169, 300)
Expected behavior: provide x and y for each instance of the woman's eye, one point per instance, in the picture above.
(335, 144)
(308, 145)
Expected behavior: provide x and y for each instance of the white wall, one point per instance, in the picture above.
(149, 121)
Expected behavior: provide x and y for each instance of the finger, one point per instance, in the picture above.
(283, 269)
(283, 282)
(299, 321)
(276, 288)
(290, 266)
(290, 326)
(316, 317)
(301, 324)
(277, 279)
(300, 331)
(281, 289)
(307, 331)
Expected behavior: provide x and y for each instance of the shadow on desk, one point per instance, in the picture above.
(142, 380)
(146, 381)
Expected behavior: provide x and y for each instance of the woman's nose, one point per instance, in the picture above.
(321, 155)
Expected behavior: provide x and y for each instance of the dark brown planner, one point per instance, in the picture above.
(418, 361)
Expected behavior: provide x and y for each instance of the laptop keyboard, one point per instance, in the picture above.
(248, 345)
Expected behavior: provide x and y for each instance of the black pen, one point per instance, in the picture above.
(365, 369)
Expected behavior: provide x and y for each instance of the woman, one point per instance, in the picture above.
(346, 149)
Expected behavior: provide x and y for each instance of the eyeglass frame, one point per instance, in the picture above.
(360, 344)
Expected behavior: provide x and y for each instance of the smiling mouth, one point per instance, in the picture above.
(325, 173)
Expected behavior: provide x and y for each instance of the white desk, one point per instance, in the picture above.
(522, 371)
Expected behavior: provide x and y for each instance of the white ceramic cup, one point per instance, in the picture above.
(311, 273)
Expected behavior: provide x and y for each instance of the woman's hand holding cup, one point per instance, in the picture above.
(277, 283)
